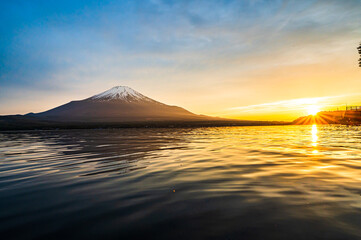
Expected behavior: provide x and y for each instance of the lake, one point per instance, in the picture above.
(274, 182)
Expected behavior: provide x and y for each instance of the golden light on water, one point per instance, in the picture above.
(314, 133)
(314, 138)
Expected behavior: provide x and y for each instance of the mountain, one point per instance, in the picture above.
(118, 107)
(118, 104)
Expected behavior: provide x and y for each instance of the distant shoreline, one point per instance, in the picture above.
(11, 123)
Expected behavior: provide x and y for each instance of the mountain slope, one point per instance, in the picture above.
(118, 104)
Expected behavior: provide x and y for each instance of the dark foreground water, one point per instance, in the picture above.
(277, 182)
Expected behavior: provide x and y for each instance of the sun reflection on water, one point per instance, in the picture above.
(314, 138)
(280, 173)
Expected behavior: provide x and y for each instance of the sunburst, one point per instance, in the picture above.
(313, 110)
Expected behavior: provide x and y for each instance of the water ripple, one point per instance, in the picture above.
(276, 182)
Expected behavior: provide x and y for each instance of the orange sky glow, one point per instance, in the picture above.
(242, 62)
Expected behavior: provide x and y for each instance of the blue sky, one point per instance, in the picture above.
(207, 56)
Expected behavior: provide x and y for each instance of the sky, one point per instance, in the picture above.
(255, 59)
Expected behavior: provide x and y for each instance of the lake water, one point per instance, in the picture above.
(276, 182)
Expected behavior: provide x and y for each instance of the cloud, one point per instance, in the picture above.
(57, 47)
(293, 104)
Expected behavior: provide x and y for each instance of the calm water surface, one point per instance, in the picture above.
(277, 182)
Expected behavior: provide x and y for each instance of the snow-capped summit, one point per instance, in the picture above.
(122, 93)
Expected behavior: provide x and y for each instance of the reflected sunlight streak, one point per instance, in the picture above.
(314, 137)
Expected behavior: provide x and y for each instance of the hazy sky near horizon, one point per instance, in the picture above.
(245, 59)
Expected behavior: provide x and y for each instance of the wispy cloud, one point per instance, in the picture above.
(293, 104)
(64, 47)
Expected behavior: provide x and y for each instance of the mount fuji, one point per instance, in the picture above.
(118, 104)
(117, 107)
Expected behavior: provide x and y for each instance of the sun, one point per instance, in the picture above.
(313, 110)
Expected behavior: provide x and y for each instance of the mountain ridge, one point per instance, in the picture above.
(118, 104)
(118, 107)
